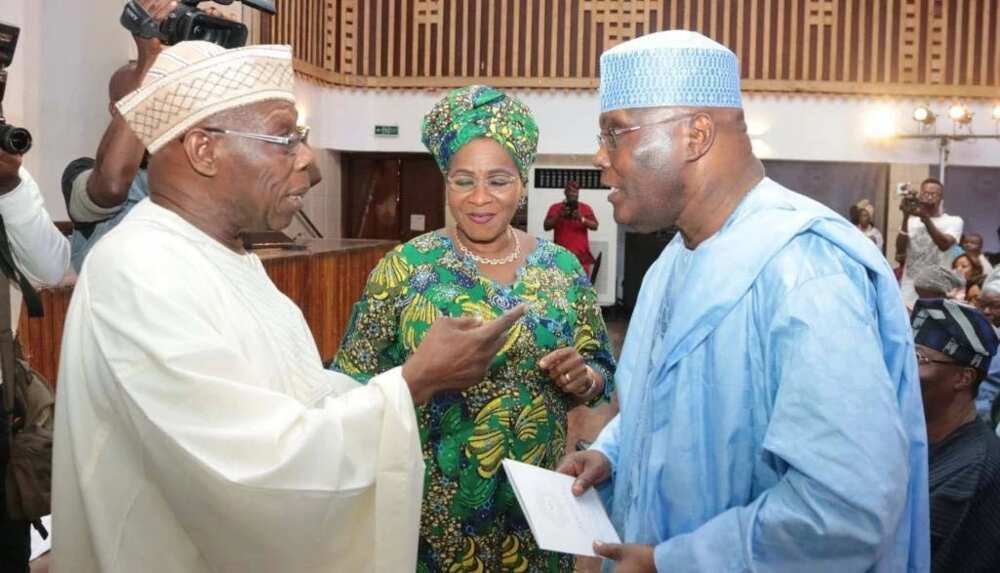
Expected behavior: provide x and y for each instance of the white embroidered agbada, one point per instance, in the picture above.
(197, 430)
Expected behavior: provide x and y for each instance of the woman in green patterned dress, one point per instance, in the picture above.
(555, 357)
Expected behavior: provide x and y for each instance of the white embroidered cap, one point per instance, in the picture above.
(191, 81)
(676, 68)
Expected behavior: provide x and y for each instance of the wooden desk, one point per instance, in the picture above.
(325, 280)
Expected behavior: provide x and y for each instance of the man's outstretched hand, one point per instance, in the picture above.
(456, 352)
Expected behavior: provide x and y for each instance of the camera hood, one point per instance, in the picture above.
(8, 43)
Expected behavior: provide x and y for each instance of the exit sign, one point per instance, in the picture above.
(387, 130)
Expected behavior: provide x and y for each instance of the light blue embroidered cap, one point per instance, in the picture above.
(676, 68)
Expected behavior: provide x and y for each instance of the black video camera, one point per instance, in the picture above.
(14, 140)
(909, 196)
(187, 22)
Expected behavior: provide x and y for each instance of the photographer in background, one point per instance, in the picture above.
(41, 253)
(99, 192)
(926, 235)
(571, 220)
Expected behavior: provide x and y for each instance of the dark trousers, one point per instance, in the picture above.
(15, 546)
(15, 535)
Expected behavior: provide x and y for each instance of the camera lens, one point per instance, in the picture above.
(209, 34)
(15, 140)
(197, 25)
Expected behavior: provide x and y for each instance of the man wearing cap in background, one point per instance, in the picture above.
(989, 389)
(935, 281)
(955, 344)
(196, 428)
(771, 421)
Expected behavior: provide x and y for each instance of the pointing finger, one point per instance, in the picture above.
(504, 322)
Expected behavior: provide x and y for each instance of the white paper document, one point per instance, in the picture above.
(418, 222)
(559, 520)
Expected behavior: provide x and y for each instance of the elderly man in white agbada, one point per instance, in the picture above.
(197, 429)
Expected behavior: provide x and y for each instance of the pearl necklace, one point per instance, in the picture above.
(488, 261)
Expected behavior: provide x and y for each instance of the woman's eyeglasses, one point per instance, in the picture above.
(495, 184)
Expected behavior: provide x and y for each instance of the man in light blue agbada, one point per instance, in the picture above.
(771, 417)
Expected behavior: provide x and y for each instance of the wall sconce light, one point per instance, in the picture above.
(924, 115)
(960, 114)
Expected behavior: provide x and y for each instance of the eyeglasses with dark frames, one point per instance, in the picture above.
(924, 359)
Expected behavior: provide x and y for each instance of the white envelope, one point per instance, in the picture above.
(559, 520)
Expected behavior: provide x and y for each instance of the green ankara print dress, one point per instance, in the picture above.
(470, 519)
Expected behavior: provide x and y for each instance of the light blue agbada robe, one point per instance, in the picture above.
(771, 413)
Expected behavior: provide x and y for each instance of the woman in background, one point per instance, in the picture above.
(556, 357)
(862, 214)
(970, 268)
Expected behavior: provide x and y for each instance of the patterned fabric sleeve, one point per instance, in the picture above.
(370, 344)
(590, 334)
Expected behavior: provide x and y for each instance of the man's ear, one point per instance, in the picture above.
(966, 379)
(202, 151)
(701, 132)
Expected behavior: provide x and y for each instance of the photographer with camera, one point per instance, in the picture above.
(99, 192)
(32, 250)
(926, 235)
(40, 254)
(572, 220)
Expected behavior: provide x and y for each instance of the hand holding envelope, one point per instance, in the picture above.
(559, 520)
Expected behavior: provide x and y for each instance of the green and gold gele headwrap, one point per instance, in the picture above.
(481, 111)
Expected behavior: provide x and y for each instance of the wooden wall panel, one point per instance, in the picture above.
(41, 338)
(903, 47)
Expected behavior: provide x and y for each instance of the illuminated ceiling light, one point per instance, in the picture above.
(960, 114)
(924, 115)
(996, 112)
(880, 123)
